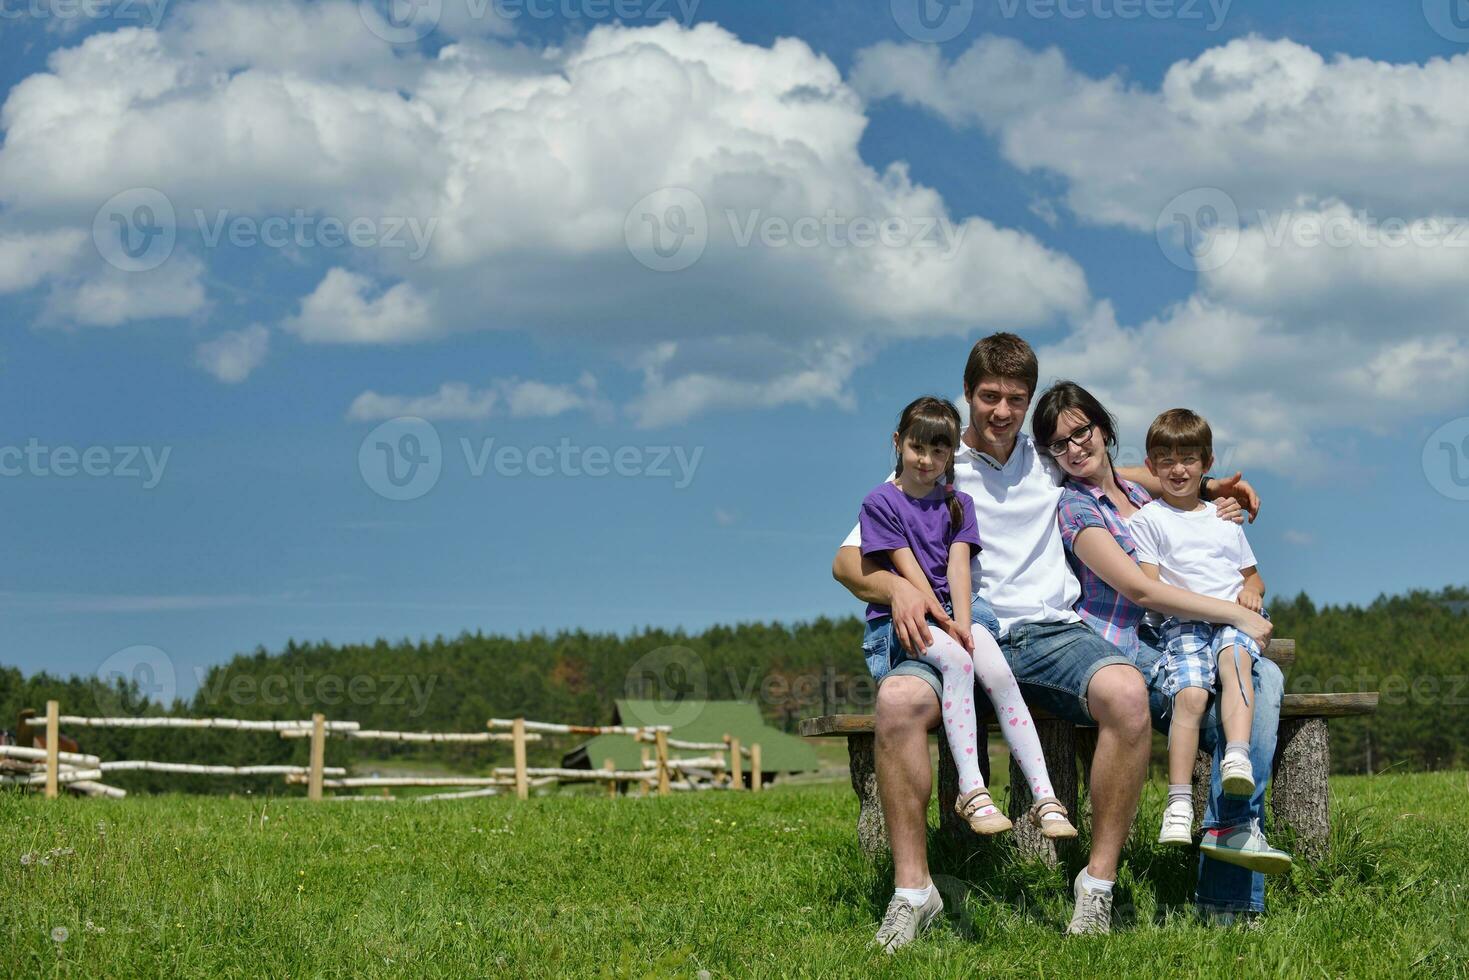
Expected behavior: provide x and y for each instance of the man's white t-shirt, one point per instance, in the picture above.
(1022, 571)
(1193, 550)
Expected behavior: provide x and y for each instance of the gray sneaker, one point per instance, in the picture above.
(903, 921)
(1093, 913)
(1244, 844)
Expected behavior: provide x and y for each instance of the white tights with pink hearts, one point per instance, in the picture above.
(1011, 716)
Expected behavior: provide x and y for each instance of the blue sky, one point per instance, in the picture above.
(749, 394)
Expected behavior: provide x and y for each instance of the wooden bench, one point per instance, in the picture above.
(1298, 797)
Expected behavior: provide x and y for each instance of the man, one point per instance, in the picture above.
(1061, 665)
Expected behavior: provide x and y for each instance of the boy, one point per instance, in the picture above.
(1180, 541)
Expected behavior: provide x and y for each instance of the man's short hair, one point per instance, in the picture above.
(1179, 428)
(1001, 355)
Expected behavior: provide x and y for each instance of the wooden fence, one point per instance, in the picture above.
(721, 768)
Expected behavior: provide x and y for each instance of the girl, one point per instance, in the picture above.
(924, 530)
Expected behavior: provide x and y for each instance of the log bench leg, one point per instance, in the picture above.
(1298, 798)
(1203, 782)
(1058, 745)
(872, 832)
(953, 826)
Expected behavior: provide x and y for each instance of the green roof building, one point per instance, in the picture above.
(695, 721)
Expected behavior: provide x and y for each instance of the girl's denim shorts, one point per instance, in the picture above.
(884, 653)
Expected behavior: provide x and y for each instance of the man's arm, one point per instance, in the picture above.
(870, 582)
(1232, 496)
(907, 566)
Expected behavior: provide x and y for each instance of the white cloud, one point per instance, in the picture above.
(819, 376)
(232, 356)
(341, 311)
(1269, 121)
(524, 158)
(456, 400)
(1301, 539)
(107, 297)
(26, 260)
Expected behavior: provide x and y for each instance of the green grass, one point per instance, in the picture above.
(735, 884)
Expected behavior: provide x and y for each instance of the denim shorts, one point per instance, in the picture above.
(885, 655)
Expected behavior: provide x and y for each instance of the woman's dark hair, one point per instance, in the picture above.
(1064, 396)
(931, 421)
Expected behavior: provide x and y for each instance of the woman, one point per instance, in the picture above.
(1081, 436)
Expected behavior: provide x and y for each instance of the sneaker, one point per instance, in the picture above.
(1093, 913)
(1237, 777)
(1178, 823)
(903, 921)
(1244, 844)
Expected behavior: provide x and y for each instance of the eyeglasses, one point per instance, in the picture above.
(1078, 438)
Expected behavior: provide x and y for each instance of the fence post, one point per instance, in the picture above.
(318, 756)
(661, 741)
(611, 766)
(737, 764)
(643, 783)
(53, 747)
(522, 782)
(755, 778)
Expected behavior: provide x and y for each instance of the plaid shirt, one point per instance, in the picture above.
(1109, 613)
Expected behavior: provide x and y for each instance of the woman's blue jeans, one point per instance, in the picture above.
(1227, 887)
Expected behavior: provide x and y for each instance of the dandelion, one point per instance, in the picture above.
(89, 927)
(59, 934)
(27, 859)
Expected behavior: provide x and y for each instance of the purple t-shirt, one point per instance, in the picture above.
(891, 519)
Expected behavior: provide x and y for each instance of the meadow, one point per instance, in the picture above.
(723, 884)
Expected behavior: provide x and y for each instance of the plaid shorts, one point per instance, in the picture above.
(1191, 656)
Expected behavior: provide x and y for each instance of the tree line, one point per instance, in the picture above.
(1414, 649)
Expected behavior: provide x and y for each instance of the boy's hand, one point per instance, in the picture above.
(1251, 600)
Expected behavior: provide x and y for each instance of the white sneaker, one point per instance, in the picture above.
(1237, 776)
(904, 921)
(1093, 913)
(1178, 823)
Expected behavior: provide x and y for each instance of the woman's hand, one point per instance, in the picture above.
(1256, 626)
(1229, 509)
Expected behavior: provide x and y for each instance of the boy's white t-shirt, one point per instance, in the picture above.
(1022, 572)
(1193, 550)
